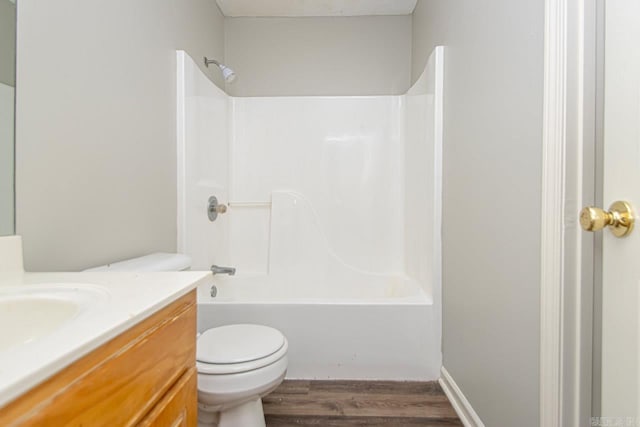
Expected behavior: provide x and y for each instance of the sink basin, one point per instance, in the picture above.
(31, 318)
(31, 312)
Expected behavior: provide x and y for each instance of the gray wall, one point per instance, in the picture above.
(96, 154)
(319, 56)
(7, 42)
(491, 201)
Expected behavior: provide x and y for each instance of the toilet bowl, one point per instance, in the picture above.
(238, 365)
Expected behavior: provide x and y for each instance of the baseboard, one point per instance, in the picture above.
(460, 403)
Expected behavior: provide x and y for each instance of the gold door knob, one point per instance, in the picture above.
(619, 218)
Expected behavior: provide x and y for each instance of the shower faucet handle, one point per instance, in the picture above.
(214, 208)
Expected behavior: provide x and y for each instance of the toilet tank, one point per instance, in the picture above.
(158, 261)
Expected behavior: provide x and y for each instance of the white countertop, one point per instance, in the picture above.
(128, 299)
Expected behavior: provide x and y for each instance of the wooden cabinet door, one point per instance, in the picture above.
(178, 408)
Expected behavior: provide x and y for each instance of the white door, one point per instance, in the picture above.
(621, 256)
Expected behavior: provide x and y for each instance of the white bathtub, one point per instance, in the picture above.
(379, 327)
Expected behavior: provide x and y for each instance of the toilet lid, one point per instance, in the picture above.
(238, 343)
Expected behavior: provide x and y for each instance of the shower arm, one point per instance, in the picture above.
(208, 62)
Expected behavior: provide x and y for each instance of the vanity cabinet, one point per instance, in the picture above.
(145, 376)
(175, 407)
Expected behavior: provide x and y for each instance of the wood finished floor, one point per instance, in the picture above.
(358, 403)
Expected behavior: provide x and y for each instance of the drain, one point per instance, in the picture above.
(214, 291)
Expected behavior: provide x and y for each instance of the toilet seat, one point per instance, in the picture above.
(240, 348)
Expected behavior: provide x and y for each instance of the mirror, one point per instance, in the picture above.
(7, 114)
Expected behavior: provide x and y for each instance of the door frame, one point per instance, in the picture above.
(568, 183)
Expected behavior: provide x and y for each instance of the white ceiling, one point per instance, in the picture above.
(303, 8)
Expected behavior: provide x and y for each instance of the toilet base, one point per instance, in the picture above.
(248, 414)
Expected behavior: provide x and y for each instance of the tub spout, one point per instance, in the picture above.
(215, 269)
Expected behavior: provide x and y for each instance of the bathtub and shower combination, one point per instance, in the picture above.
(333, 221)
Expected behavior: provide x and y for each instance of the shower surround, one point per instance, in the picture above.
(333, 221)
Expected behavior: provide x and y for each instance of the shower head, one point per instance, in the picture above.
(228, 74)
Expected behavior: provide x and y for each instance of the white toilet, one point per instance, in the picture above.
(237, 364)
